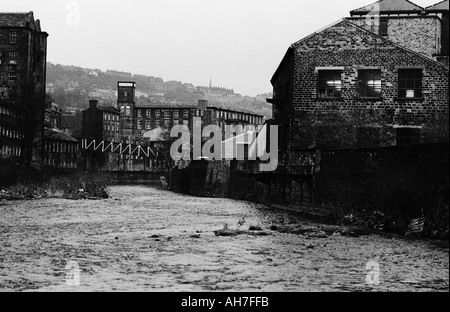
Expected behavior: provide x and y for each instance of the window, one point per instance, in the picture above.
(148, 124)
(176, 114)
(409, 83)
(407, 136)
(383, 30)
(157, 113)
(127, 111)
(139, 124)
(12, 77)
(330, 84)
(369, 83)
(13, 57)
(148, 113)
(13, 37)
(185, 114)
(167, 114)
(139, 113)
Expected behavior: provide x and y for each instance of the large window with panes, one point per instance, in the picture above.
(409, 83)
(329, 84)
(13, 37)
(369, 83)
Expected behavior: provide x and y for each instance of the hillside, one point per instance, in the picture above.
(71, 87)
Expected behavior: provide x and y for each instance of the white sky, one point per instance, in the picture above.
(237, 43)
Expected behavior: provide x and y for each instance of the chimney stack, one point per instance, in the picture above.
(93, 104)
(202, 104)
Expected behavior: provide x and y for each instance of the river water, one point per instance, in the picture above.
(148, 239)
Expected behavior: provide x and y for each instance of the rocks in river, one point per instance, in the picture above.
(230, 232)
(195, 236)
(308, 230)
(317, 234)
(255, 228)
(320, 231)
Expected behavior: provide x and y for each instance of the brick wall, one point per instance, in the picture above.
(421, 34)
(351, 48)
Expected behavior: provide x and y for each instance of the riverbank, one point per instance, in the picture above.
(36, 183)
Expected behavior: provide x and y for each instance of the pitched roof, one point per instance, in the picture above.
(441, 6)
(109, 109)
(19, 20)
(389, 6)
(57, 135)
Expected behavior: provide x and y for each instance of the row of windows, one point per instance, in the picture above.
(149, 124)
(12, 57)
(369, 83)
(61, 160)
(110, 116)
(13, 36)
(111, 127)
(7, 151)
(175, 114)
(60, 147)
(166, 113)
(242, 116)
(9, 133)
(7, 111)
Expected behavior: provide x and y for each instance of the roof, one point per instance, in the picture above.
(194, 106)
(293, 46)
(229, 107)
(167, 105)
(389, 6)
(19, 20)
(109, 109)
(57, 135)
(441, 6)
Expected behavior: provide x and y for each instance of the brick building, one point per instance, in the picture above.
(138, 120)
(169, 115)
(423, 30)
(347, 86)
(101, 123)
(60, 149)
(23, 53)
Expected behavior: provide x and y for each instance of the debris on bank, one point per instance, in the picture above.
(230, 232)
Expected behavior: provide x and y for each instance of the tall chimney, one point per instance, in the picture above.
(93, 104)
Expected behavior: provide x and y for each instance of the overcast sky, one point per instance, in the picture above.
(237, 43)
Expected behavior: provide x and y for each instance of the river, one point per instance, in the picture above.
(148, 239)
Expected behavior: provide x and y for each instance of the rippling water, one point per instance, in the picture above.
(146, 239)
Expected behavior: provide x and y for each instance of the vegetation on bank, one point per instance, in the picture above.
(34, 183)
